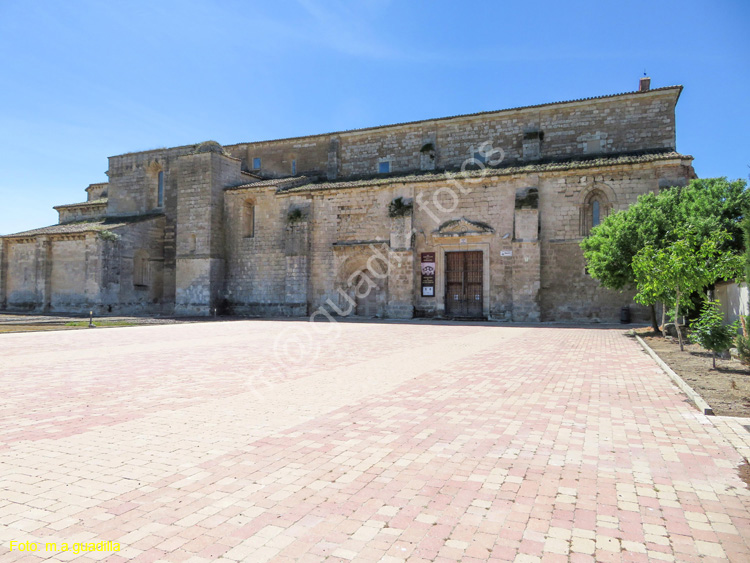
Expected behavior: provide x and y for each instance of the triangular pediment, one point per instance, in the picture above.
(463, 226)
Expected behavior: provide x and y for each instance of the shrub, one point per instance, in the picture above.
(399, 207)
(109, 235)
(295, 215)
(743, 343)
(711, 332)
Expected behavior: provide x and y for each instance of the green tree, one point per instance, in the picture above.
(688, 264)
(610, 249)
(655, 220)
(711, 332)
(715, 204)
(746, 238)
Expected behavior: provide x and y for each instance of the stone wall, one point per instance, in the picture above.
(21, 289)
(97, 191)
(52, 274)
(81, 212)
(133, 181)
(348, 228)
(734, 299)
(200, 238)
(120, 291)
(627, 123)
(267, 270)
(74, 264)
(310, 155)
(630, 122)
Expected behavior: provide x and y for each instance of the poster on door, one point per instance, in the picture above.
(428, 274)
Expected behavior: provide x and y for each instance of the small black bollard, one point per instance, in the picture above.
(91, 320)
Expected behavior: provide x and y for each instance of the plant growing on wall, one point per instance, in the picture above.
(109, 236)
(400, 207)
(428, 149)
(295, 215)
(711, 332)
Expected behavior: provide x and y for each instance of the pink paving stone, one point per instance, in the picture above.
(196, 438)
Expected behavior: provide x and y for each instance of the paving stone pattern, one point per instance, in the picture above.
(373, 442)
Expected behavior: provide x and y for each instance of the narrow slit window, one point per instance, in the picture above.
(160, 190)
(140, 268)
(249, 220)
(294, 167)
(595, 213)
(256, 163)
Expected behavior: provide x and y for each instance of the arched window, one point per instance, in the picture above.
(595, 213)
(140, 268)
(248, 219)
(594, 210)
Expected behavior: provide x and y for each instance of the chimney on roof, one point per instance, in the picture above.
(645, 84)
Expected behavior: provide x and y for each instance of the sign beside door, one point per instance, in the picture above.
(428, 274)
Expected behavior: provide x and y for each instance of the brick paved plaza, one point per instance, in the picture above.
(266, 441)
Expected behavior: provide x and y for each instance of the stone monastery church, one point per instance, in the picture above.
(475, 215)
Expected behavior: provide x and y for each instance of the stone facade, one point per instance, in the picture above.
(340, 223)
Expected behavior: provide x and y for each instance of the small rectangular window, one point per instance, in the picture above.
(480, 158)
(384, 167)
(256, 163)
(593, 146)
(294, 168)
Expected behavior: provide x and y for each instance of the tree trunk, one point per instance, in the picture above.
(677, 321)
(713, 357)
(653, 318)
(663, 316)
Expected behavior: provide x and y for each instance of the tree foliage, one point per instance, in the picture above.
(658, 221)
(746, 238)
(708, 205)
(688, 264)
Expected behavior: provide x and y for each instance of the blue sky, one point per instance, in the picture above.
(82, 80)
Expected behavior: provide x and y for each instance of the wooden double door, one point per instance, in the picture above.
(464, 284)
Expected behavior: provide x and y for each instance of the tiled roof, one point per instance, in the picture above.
(100, 201)
(279, 183)
(499, 171)
(477, 114)
(76, 227)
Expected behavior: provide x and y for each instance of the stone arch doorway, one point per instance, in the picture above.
(367, 296)
(362, 285)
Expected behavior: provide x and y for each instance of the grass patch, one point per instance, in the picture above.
(30, 328)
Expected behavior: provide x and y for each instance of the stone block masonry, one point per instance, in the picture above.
(290, 226)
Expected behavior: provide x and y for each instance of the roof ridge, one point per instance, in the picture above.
(99, 201)
(412, 177)
(85, 225)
